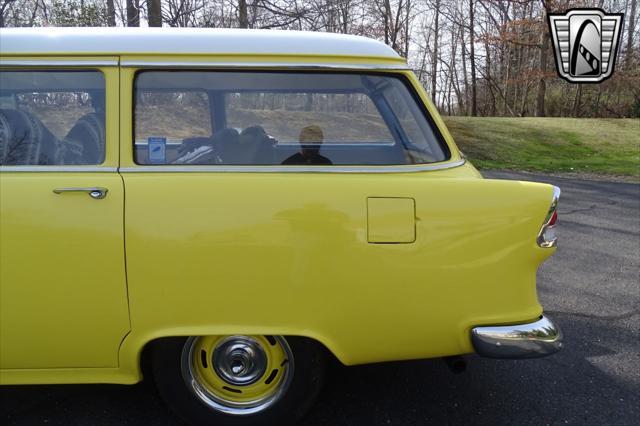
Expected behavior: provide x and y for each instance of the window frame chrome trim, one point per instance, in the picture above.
(409, 168)
(58, 169)
(263, 65)
(287, 145)
(57, 63)
(445, 163)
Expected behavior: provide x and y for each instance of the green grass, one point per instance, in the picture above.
(553, 145)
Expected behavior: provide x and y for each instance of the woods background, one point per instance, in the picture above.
(474, 57)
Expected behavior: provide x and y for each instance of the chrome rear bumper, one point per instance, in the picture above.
(532, 340)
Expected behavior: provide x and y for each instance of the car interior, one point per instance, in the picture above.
(26, 140)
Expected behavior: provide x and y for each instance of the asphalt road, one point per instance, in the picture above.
(591, 287)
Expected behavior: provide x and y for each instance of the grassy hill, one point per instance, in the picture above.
(552, 145)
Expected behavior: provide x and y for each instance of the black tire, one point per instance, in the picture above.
(308, 377)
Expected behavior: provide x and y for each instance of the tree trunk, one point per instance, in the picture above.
(407, 30)
(542, 60)
(455, 82)
(434, 59)
(111, 13)
(423, 62)
(387, 24)
(596, 111)
(133, 13)
(474, 97)
(523, 106)
(243, 19)
(345, 18)
(464, 70)
(632, 28)
(488, 77)
(155, 13)
(577, 101)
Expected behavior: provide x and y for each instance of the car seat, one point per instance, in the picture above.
(24, 140)
(85, 142)
(253, 146)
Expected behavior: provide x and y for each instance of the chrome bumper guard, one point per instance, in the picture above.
(532, 340)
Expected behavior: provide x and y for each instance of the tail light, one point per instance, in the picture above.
(547, 235)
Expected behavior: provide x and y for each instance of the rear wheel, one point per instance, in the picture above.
(240, 379)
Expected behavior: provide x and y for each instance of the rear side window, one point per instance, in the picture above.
(280, 118)
(178, 118)
(52, 118)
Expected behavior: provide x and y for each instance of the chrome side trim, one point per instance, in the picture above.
(542, 242)
(532, 340)
(235, 169)
(54, 169)
(554, 203)
(270, 65)
(292, 169)
(56, 63)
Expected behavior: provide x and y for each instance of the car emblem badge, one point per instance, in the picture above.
(585, 43)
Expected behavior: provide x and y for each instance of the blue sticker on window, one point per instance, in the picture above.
(157, 150)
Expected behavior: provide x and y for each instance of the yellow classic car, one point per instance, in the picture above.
(226, 209)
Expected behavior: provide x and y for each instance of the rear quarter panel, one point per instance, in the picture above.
(226, 253)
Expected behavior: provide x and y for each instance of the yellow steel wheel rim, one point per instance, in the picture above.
(237, 374)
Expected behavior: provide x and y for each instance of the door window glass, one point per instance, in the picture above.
(52, 118)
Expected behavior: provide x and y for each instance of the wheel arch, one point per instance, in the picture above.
(135, 350)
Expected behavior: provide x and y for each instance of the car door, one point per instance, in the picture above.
(63, 296)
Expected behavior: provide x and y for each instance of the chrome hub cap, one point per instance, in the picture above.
(239, 360)
(237, 374)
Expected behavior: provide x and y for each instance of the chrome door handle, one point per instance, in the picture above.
(96, 193)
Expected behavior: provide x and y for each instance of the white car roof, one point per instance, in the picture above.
(185, 41)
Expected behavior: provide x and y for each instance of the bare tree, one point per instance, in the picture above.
(111, 13)
(243, 20)
(395, 17)
(187, 13)
(543, 55)
(629, 51)
(4, 5)
(133, 13)
(472, 57)
(434, 56)
(154, 10)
